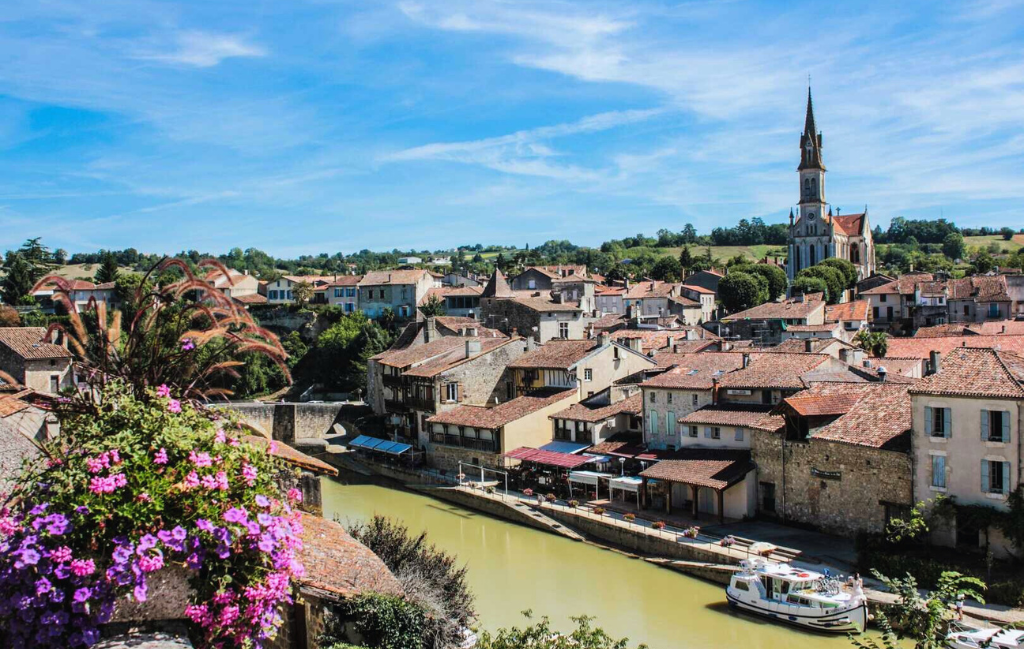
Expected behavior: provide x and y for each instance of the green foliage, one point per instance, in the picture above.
(845, 267)
(739, 291)
(685, 260)
(38, 257)
(1007, 233)
(666, 269)
(433, 307)
(386, 621)
(431, 578)
(808, 285)
(916, 618)
(874, 342)
(909, 528)
(108, 270)
(772, 274)
(18, 281)
(834, 280)
(540, 635)
(984, 262)
(1012, 524)
(338, 360)
(953, 246)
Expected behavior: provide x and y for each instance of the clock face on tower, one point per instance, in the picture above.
(810, 216)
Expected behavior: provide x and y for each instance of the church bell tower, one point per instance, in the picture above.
(812, 176)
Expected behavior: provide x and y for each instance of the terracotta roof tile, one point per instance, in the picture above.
(787, 309)
(982, 372)
(456, 356)
(855, 310)
(822, 404)
(778, 370)
(713, 468)
(997, 328)
(498, 416)
(697, 289)
(741, 415)
(441, 347)
(543, 302)
(920, 347)
(27, 342)
(880, 417)
(799, 345)
(579, 412)
(651, 288)
(904, 284)
(849, 224)
(392, 277)
(252, 298)
(937, 331)
(338, 565)
(696, 371)
(556, 354)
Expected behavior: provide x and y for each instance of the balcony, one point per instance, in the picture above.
(424, 404)
(488, 445)
(394, 405)
(393, 380)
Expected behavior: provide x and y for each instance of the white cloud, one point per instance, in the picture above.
(205, 50)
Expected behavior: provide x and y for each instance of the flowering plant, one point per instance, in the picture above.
(691, 532)
(728, 541)
(599, 511)
(550, 498)
(134, 487)
(658, 525)
(527, 492)
(629, 518)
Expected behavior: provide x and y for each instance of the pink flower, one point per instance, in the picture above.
(273, 447)
(249, 473)
(94, 465)
(61, 554)
(160, 457)
(200, 459)
(222, 481)
(144, 497)
(187, 344)
(163, 391)
(174, 406)
(151, 562)
(83, 567)
(209, 482)
(221, 437)
(295, 495)
(192, 480)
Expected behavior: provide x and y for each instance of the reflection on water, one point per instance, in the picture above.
(514, 568)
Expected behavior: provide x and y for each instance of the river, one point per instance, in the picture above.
(513, 568)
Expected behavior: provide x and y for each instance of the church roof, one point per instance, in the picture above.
(810, 156)
(850, 224)
(497, 286)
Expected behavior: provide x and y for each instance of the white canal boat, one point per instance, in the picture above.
(962, 636)
(798, 597)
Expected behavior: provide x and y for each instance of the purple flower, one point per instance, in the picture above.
(26, 557)
(140, 591)
(56, 596)
(187, 344)
(204, 525)
(179, 533)
(160, 457)
(236, 515)
(174, 406)
(223, 551)
(57, 524)
(262, 500)
(82, 595)
(147, 542)
(266, 544)
(122, 554)
(43, 586)
(264, 519)
(81, 510)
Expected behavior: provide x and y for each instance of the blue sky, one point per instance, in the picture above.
(324, 125)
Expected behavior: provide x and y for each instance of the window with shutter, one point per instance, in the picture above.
(1005, 416)
(985, 484)
(1006, 477)
(670, 424)
(985, 429)
(947, 422)
(938, 471)
(707, 432)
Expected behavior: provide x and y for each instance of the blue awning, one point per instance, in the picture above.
(399, 448)
(564, 447)
(385, 447)
(375, 443)
(360, 441)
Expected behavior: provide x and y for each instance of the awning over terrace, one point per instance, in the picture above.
(550, 458)
(367, 443)
(564, 447)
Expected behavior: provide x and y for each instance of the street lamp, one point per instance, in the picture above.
(622, 466)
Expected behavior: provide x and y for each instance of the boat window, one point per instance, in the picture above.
(785, 587)
(742, 585)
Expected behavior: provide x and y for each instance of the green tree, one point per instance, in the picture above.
(984, 262)
(385, 621)
(874, 342)
(108, 270)
(18, 282)
(685, 260)
(834, 280)
(772, 274)
(1007, 233)
(739, 291)
(666, 269)
(434, 306)
(38, 257)
(953, 246)
(807, 285)
(302, 292)
(60, 256)
(848, 270)
(540, 635)
(919, 619)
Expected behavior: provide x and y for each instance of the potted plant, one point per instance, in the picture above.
(728, 541)
(489, 489)
(461, 477)
(550, 498)
(691, 532)
(599, 511)
(629, 518)
(574, 503)
(658, 525)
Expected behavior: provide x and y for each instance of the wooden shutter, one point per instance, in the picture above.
(1006, 427)
(1006, 477)
(947, 422)
(458, 392)
(929, 421)
(984, 477)
(985, 418)
(707, 432)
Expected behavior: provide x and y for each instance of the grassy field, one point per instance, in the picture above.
(1012, 245)
(720, 253)
(84, 271)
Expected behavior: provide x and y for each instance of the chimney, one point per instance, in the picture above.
(636, 344)
(934, 362)
(844, 355)
(867, 363)
(714, 390)
(472, 331)
(669, 340)
(1003, 329)
(429, 329)
(881, 373)
(603, 339)
(472, 347)
(675, 349)
(798, 298)
(809, 345)
(746, 360)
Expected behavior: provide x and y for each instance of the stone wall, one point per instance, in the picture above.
(835, 487)
(289, 421)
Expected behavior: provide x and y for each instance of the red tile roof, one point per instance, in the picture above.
(550, 458)
(739, 415)
(27, 342)
(799, 345)
(392, 277)
(855, 310)
(252, 298)
(696, 371)
(981, 288)
(456, 356)
(787, 309)
(817, 405)
(346, 280)
(498, 416)
(998, 328)
(920, 347)
(780, 371)
(416, 354)
(653, 339)
(713, 468)
(904, 284)
(451, 291)
(697, 289)
(580, 412)
(980, 372)
(936, 331)
(543, 302)
(556, 354)
(880, 417)
(849, 224)
(337, 565)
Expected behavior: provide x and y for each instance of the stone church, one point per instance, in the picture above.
(815, 233)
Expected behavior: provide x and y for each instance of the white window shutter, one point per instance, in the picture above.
(984, 477)
(1006, 427)
(947, 421)
(984, 425)
(1006, 477)
(707, 432)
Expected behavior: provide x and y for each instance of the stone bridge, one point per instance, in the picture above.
(288, 422)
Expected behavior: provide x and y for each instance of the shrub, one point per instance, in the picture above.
(599, 511)
(386, 621)
(1008, 593)
(658, 525)
(134, 484)
(489, 489)
(691, 532)
(550, 498)
(629, 517)
(574, 503)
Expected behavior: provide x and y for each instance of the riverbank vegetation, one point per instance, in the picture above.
(540, 635)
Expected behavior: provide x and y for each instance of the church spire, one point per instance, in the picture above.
(810, 140)
(809, 126)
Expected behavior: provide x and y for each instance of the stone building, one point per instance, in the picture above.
(766, 322)
(543, 278)
(33, 361)
(841, 463)
(398, 290)
(538, 314)
(815, 235)
(598, 418)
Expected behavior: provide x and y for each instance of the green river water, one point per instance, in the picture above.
(513, 568)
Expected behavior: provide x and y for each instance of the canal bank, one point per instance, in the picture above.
(513, 567)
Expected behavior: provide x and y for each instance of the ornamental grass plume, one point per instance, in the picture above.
(185, 334)
(131, 489)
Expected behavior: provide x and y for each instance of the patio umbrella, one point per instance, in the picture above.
(762, 548)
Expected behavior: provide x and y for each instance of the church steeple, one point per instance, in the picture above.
(810, 140)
